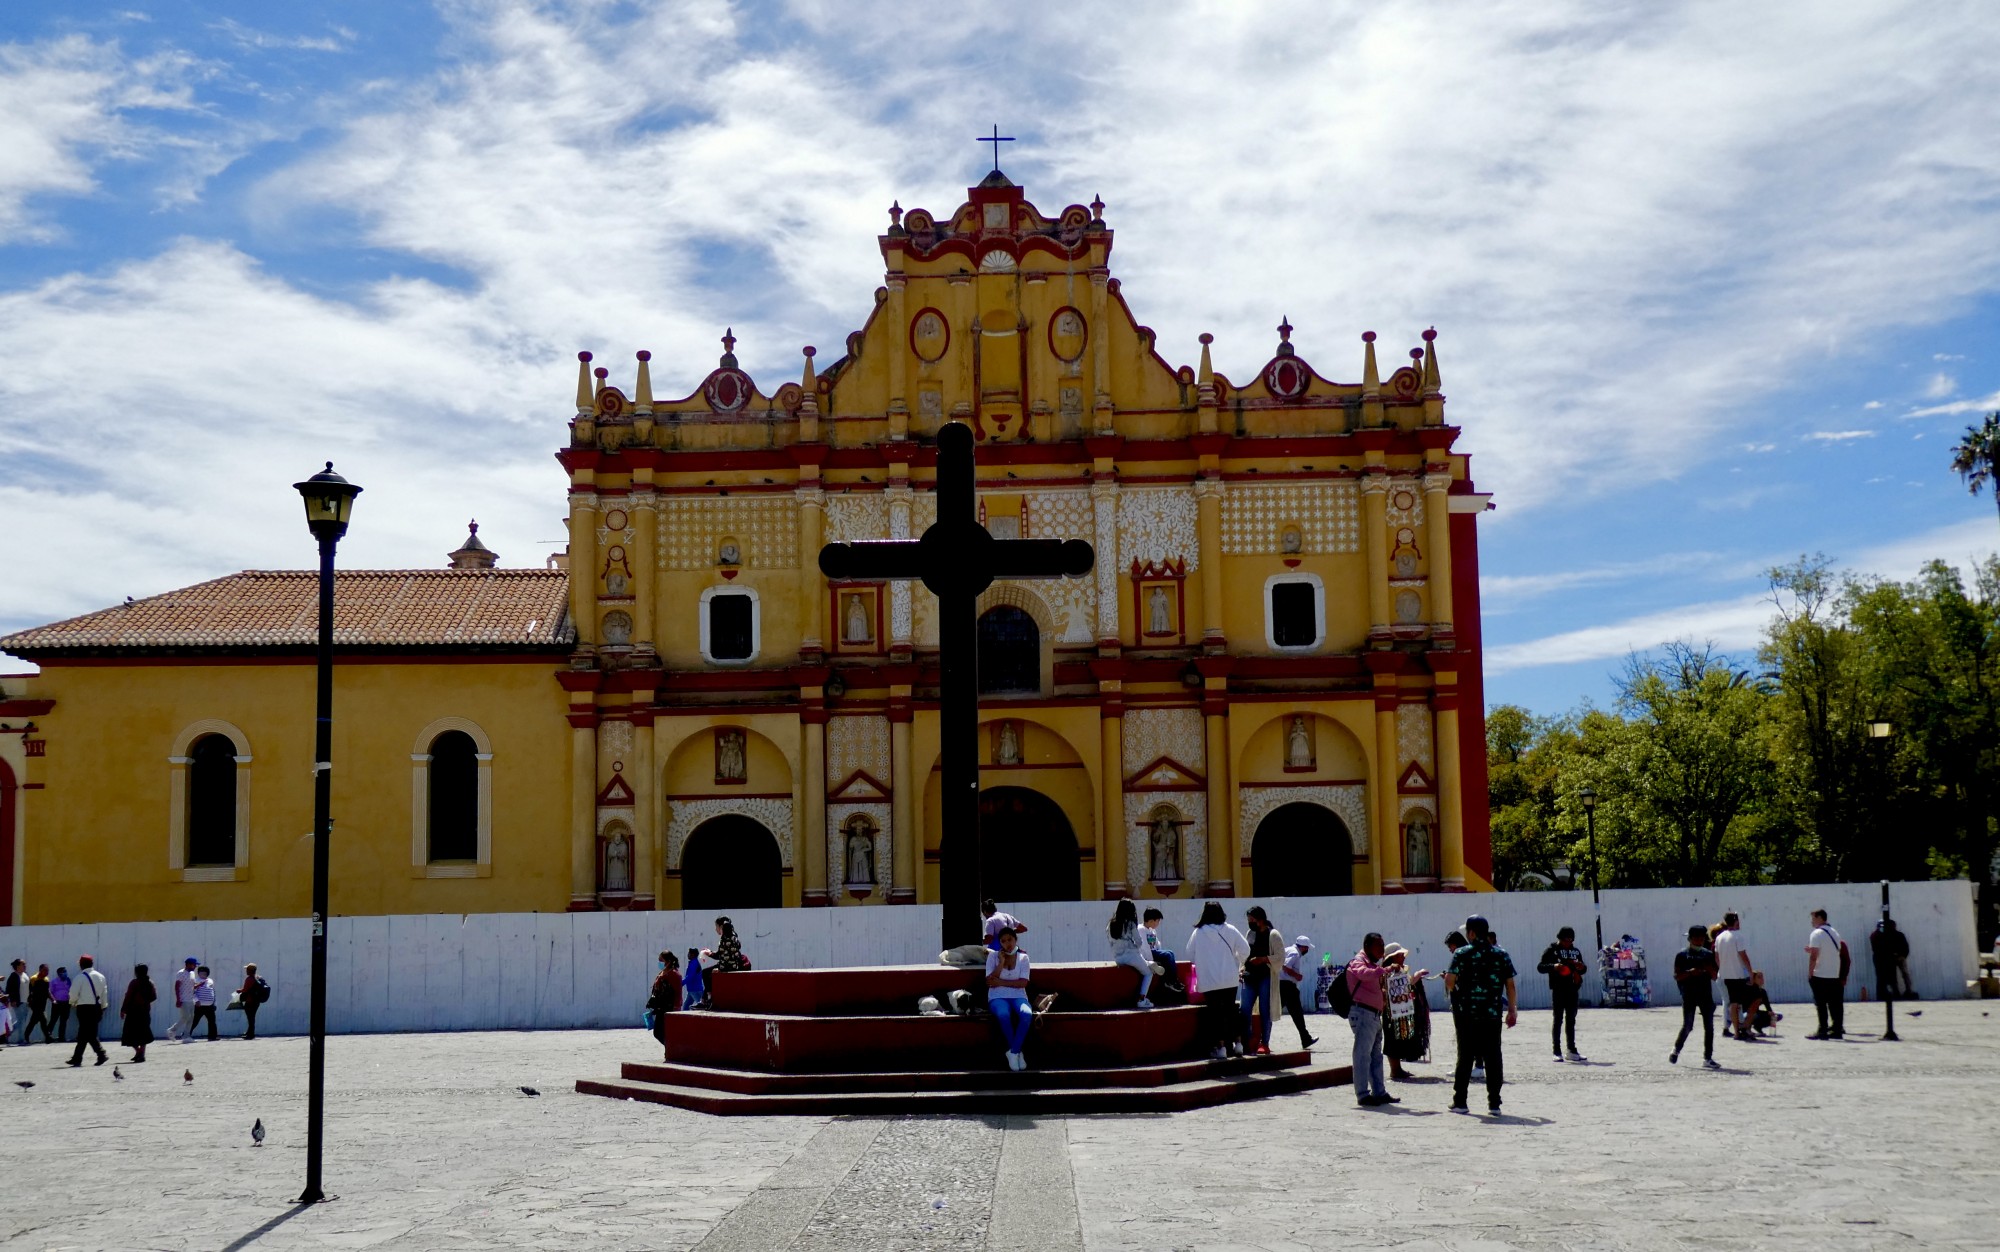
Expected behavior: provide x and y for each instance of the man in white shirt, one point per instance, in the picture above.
(1824, 973)
(183, 1027)
(1734, 961)
(89, 996)
(1290, 983)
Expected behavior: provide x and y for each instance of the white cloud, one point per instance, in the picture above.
(1982, 404)
(1947, 356)
(250, 37)
(1760, 447)
(66, 104)
(1840, 436)
(1872, 404)
(1938, 386)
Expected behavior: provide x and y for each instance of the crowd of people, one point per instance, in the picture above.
(50, 1002)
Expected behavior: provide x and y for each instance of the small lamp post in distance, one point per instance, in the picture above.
(1879, 732)
(329, 501)
(1586, 795)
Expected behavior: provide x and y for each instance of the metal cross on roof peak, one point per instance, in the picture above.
(996, 139)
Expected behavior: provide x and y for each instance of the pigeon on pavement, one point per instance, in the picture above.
(187, 1075)
(116, 1075)
(257, 1132)
(529, 1091)
(23, 1084)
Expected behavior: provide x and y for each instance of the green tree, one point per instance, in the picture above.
(1976, 458)
(1697, 760)
(1818, 718)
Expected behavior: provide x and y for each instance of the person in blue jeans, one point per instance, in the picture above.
(1368, 980)
(1256, 986)
(1007, 995)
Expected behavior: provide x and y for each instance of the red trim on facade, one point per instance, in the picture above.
(7, 835)
(1474, 802)
(25, 708)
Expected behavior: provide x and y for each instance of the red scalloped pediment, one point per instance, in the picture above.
(616, 793)
(1166, 773)
(1415, 781)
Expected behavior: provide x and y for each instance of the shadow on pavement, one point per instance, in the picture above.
(1510, 1119)
(267, 1228)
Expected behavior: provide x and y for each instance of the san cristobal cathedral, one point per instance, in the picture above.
(1270, 684)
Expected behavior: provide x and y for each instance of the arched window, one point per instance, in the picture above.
(454, 797)
(1010, 652)
(211, 802)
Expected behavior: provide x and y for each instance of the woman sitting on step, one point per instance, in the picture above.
(1128, 947)
(1007, 995)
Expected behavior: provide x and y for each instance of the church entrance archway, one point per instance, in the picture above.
(1027, 849)
(731, 862)
(1302, 849)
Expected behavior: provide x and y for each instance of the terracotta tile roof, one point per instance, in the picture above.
(279, 609)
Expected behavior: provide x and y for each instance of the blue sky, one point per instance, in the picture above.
(1710, 292)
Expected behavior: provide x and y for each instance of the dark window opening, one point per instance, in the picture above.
(1010, 652)
(211, 818)
(1294, 616)
(729, 628)
(454, 782)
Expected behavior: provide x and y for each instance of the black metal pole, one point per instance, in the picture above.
(959, 849)
(322, 828)
(1596, 903)
(1889, 1034)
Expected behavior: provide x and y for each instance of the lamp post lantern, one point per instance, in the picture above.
(329, 500)
(1587, 796)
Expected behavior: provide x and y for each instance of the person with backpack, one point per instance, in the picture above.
(1827, 964)
(1563, 962)
(252, 995)
(1363, 986)
(91, 994)
(1695, 971)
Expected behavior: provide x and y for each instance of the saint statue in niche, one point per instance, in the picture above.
(729, 756)
(618, 861)
(1291, 543)
(860, 852)
(855, 627)
(617, 628)
(1298, 744)
(1165, 839)
(1158, 612)
(729, 553)
(617, 573)
(1007, 745)
(1406, 553)
(1417, 847)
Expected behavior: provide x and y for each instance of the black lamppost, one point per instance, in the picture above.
(1587, 796)
(1879, 732)
(329, 500)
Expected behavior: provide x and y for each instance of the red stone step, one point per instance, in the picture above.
(854, 1044)
(741, 1082)
(893, 990)
(1170, 1097)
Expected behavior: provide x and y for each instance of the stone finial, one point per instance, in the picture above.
(1430, 362)
(1371, 377)
(586, 399)
(1207, 374)
(728, 348)
(895, 216)
(473, 554)
(1097, 210)
(642, 399)
(1285, 347)
(810, 380)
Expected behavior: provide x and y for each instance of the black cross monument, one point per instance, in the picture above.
(957, 559)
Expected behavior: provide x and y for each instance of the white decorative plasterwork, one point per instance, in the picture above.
(765, 528)
(854, 516)
(1158, 524)
(900, 590)
(1348, 800)
(1411, 804)
(1254, 515)
(774, 815)
(837, 815)
(1072, 603)
(857, 743)
(604, 533)
(1104, 512)
(1413, 737)
(1139, 809)
(614, 741)
(1150, 734)
(1059, 514)
(1400, 490)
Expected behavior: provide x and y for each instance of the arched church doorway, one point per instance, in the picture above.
(1010, 652)
(731, 862)
(1027, 849)
(1302, 849)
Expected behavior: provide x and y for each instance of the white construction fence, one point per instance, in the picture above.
(554, 971)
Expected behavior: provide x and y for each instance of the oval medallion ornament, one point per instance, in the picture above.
(615, 520)
(1286, 378)
(1067, 334)
(930, 335)
(728, 390)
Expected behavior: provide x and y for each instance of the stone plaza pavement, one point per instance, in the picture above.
(431, 1144)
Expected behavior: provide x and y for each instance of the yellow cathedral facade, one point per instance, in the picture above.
(1270, 684)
